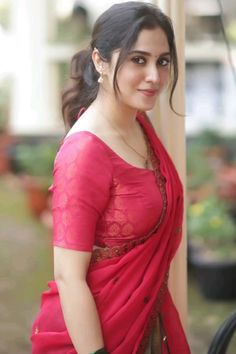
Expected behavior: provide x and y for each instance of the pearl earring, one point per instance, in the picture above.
(100, 79)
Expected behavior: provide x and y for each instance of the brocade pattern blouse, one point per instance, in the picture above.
(99, 198)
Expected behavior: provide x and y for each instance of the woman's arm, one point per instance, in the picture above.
(78, 306)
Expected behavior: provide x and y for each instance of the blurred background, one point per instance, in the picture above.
(37, 40)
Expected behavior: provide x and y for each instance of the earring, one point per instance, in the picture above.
(100, 79)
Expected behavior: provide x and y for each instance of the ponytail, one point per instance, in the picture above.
(82, 88)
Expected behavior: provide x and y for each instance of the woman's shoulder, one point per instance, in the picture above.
(83, 141)
(81, 161)
(81, 155)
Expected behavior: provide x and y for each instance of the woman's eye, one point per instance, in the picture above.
(138, 60)
(164, 61)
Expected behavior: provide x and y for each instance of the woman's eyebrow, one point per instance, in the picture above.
(146, 53)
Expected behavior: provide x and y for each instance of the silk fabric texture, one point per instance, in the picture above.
(128, 281)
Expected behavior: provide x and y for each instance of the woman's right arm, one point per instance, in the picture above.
(78, 306)
(81, 192)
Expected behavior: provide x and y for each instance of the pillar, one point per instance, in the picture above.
(171, 129)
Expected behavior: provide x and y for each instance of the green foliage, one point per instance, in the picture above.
(210, 224)
(37, 160)
(198, 168)
(200, 165)
(4, 103)
(72, 31)
(208, 138)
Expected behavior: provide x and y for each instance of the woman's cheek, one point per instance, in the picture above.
(164, 80)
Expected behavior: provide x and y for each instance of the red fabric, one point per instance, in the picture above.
(128, 280)
(98, 198)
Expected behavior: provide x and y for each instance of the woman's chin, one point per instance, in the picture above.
(146, 107)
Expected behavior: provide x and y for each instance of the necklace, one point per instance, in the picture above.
(145, 158)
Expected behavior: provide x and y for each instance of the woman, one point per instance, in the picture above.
(117, 198)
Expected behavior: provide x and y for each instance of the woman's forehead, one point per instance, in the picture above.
(153, 41)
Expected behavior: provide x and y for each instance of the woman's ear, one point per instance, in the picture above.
(98, 62)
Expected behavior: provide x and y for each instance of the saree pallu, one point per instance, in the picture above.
(128, 282)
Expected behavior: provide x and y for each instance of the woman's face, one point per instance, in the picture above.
(145, 72)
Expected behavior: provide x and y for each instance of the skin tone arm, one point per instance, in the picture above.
(78, 306)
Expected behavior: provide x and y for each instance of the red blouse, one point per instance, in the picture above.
(99, 198)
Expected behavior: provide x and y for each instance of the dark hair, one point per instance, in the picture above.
(116, 28)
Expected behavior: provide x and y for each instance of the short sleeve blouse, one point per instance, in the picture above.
(98, 198)
(81, 182)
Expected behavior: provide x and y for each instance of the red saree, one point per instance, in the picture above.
(128, 279)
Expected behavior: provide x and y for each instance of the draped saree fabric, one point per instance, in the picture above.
(129, 279)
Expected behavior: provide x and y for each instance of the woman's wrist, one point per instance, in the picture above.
(101, 351)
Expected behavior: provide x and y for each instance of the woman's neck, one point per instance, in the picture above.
(111, 110)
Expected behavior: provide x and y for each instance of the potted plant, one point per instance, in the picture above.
(212, 234)
(36, 165)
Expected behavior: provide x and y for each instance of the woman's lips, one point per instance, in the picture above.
(148, 93)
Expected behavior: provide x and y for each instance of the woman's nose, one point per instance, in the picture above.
(153, 74)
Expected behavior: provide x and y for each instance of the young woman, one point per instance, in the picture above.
(117, 198)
